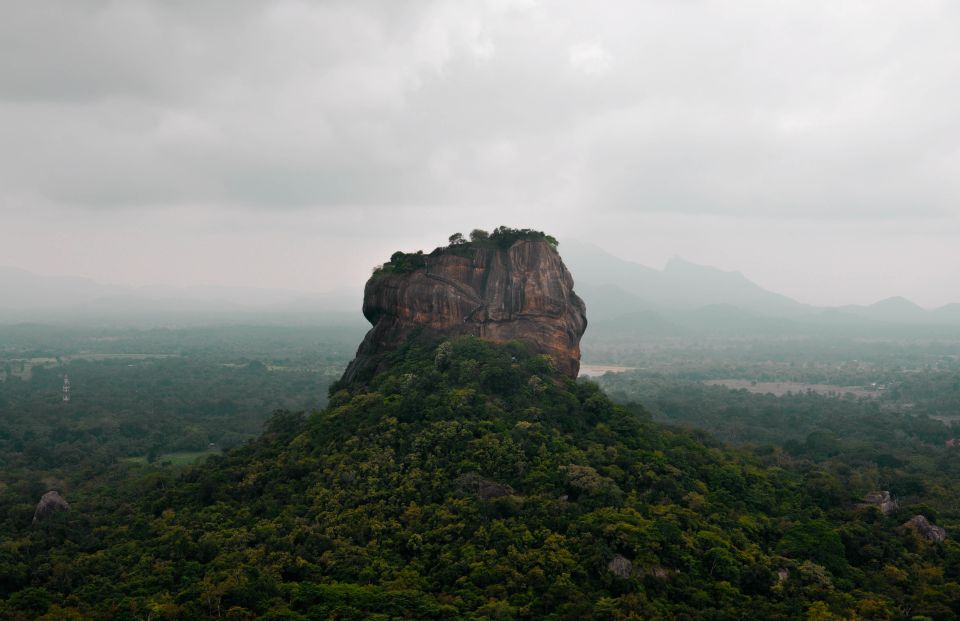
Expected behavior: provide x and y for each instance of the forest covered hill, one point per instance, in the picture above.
(469, 480)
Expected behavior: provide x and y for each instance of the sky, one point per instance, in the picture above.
(813, 145)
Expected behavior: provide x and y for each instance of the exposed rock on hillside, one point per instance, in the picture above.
(50, 503)
(930, 532)
(882, 500)
(493, 290)
(620, 566)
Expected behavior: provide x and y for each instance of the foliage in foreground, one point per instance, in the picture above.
(470, 481)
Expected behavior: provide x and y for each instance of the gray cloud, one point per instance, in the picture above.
(548, 114)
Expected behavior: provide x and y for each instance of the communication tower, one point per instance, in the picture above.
(66, 388)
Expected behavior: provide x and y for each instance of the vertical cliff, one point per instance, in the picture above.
(497, 291)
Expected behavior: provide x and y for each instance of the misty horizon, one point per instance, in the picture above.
(269, 294)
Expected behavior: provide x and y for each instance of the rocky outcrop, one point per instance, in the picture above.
(50, 503)
(882, 500)
(520, 292)
(930, 532)
(620, 566)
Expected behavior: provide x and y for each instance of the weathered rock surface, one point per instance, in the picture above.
(523, 292)
(882, 500)
(930, 532)
(50, 503)
(620, 566)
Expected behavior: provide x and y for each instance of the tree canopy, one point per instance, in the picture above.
(469, 481)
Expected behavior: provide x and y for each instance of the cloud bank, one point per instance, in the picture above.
(812, 144)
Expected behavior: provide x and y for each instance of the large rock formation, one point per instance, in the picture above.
(50, 503)
(521, 291)
(930, 532)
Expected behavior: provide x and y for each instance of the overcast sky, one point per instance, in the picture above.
(813, 145)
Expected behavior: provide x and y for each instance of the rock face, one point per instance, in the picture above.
(620, 566)
(521, 292)
(930, 532)
(50, 503)
(882, 500)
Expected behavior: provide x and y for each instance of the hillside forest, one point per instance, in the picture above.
(210, 475)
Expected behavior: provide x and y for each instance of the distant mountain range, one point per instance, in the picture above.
(622, 297)
(679, 285)
(625, 297)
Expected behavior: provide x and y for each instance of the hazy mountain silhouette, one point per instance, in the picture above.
(685, 298)
(948, 313)
(679, 285)
(893, 310)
